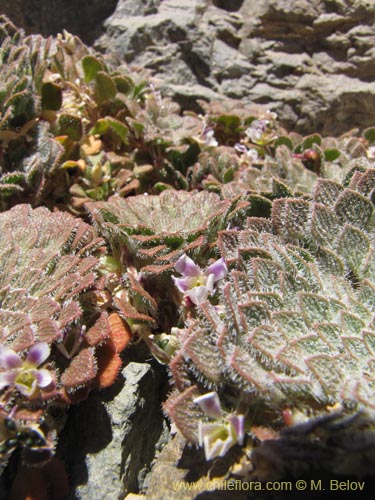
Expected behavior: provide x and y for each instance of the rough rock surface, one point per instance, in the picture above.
(110, 440)
(183, 474)
(312, 61)
(48, 17)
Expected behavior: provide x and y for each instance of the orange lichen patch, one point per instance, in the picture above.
(40, 483)
(109, 364)
(121, 334)
(263, 433)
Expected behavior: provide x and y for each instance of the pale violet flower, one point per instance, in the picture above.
(256, 130)
(209, 137)
(24, 375)
(260, 132)
(251, 154)
(196, 283)
(218, 437)
(210, 404)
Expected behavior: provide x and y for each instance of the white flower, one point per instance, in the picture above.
(218, 437)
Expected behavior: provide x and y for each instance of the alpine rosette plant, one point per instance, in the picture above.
(53, 330)
(292, 340)
(243, 255)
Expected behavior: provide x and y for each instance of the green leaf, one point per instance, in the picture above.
(228, 175)
(51, 96)
(353, 246)
(20, 85)
(260, 206)
(369, 135)
(138, 127)
(100, 127)
(331, 154)
(162, 186)
(13, 178)
(140, 90)
(181, 179)
(124, 84)
(105, 87)
(283, 140)
(182, 159)
(104, 125)
(249, 120)
(91, 67)
(231, 122)
(9, 189)
(120, 128)
(279, 189)
(71, 126)
(310, 140)
(96, 193)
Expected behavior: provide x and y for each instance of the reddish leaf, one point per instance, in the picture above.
(109, 364)
(99, 331)
(121, 334)
(81, 370)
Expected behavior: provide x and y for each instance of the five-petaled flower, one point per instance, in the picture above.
(260, 132)
(196, 283)
(219, 436)
(24, 375)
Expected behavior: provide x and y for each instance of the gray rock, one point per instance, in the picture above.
(275, 52)
(227, 63)
(49, 17)
(111, 439)
(182, 473)
(137, 7)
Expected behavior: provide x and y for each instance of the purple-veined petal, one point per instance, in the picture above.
(9, 359)
(210, 404)
(182, 284)
(238, 426)
(7, 378)
(198, 294)
(241, 148)
(187, 267)
(43, 377)
(218, 269)
(37, 354)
